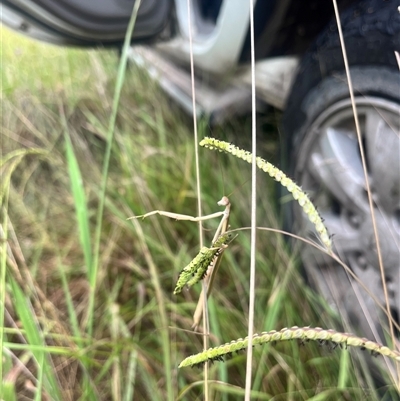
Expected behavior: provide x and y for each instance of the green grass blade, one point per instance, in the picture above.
(8, 391)
(129, 390)
(343, 370)
(39, 385)
(87, 385)
(130, 379)
(70, 306)
(78, 193)
(103, 186)
(272, 315)
(13, 159)
(160, 321)
(35, 338)
(222, 369)
(3, 260)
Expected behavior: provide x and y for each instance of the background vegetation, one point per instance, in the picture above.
(56, 104)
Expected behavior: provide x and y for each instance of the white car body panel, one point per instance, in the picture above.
(214, 50)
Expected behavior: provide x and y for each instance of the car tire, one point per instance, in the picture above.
(320, 151)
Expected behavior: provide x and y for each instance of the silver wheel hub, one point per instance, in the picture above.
(330, 169)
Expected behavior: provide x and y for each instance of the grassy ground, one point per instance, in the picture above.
(128, 342)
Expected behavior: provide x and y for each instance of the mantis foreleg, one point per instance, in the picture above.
(207, 261)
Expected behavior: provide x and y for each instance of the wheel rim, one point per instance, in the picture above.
(329, 167)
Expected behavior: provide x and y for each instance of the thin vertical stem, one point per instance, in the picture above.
(362, 154)
(3, 261)
(199, 205)
(253, 211)
(106, 163)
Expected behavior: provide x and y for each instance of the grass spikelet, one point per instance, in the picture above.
(306, 333)
(298, 194)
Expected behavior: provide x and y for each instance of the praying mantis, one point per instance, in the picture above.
(206, 262)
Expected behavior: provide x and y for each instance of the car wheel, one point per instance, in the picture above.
(321, 152)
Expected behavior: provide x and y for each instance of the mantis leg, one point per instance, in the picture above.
(178, 216)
